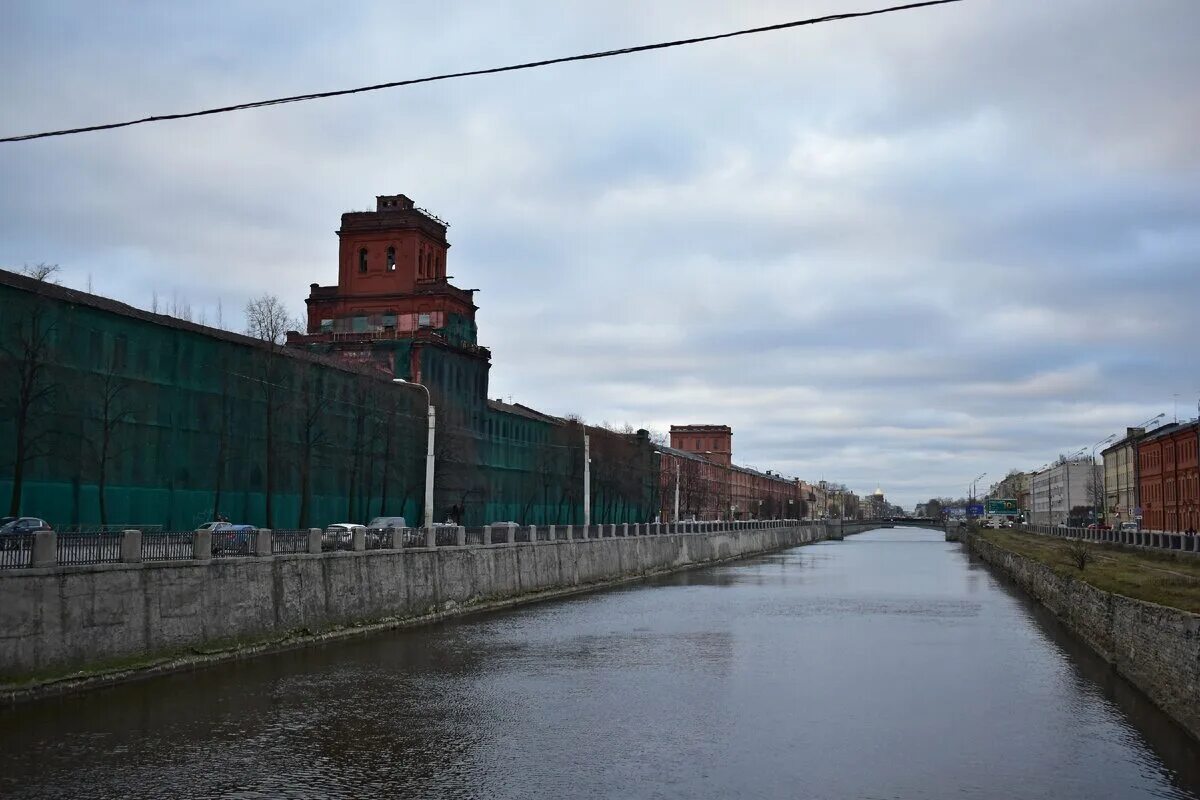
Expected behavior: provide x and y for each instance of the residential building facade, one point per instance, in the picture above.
(1065, 493)
(1169, 478)
(1121, 502)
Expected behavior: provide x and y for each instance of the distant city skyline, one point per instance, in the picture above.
(898, 252)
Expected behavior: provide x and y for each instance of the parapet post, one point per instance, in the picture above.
(460, 536)
(262, 542)
(533, 534)
(510, 534)
(314, 541)
(625, 530)
(45, 549)
(431, 536)
(397, 542)
(202, 545)
(358, 539)
(131, 547)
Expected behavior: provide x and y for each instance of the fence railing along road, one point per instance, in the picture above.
(1149, 540)
(54, 548)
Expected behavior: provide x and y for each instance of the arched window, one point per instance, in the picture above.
(391, 259)
(362, 260)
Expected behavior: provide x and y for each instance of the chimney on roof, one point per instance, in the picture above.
(393, 202)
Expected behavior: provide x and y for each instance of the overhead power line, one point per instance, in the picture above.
(471, 73)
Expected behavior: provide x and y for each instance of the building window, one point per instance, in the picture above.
(362, 260)
(391, 259)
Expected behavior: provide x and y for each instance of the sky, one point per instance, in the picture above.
(896, 252)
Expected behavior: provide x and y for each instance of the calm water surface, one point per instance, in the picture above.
(885, 666)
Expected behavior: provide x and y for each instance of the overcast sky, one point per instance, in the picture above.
(898, 251)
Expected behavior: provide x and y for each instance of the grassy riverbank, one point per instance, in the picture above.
(1154, 577)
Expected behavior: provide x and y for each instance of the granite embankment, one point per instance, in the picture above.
(1155, 647)
(65, 627)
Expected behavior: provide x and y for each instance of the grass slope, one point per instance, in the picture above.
(1161, 578)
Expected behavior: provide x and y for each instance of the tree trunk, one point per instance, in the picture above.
(270, 453)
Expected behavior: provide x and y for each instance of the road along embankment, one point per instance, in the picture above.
(62, 628)
(1155, 647)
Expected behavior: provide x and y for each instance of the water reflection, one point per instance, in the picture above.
(888, 665)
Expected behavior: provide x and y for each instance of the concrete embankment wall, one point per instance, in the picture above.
(1156, 648)
(55, 620)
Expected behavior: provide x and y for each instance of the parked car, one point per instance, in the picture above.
(1129, 527)
(340, 536)
(211, 526)
(379, 530)
(20, 526)
(1099, 526)
(230, 539)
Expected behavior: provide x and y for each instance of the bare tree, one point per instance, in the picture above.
(313, 436)
(43, 272)
(25, 355)
(267, 320)
(114, 411)
(224, 418)
(1080, 554)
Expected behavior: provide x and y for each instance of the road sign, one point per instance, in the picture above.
(1005, 508)
(975, 510)
(956, 512)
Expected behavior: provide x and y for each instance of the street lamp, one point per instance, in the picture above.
(431, 414)
(676, 459)
(1095, 505)
(978, 478)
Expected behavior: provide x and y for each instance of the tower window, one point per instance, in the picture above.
(362, 260)
(391, 259)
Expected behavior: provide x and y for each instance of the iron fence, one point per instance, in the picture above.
(288, 542)
(446, 536)
(227, 544)
(89, 548)
(336, 539)
(377, 538)
(167, 545)
(477, 536)
(16, 550)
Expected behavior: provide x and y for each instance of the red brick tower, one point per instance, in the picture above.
(393, 305)
(713, 442)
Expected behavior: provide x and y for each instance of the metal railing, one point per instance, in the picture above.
(166, 546)
(156, 545)
(88, 548)
(1148, 540)
(16, 550)
(289, 542)
(226, 544)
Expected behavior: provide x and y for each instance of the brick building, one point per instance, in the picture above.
(1169, 478)
(713, 442)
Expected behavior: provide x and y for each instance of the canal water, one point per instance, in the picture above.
(889, 665)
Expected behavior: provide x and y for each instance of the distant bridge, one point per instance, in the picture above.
(906, 522)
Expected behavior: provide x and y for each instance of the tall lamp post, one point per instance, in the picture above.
(1095, 504)
(676, 460)
(432, 417)
(974, 483)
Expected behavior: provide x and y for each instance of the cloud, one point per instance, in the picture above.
(893, 252)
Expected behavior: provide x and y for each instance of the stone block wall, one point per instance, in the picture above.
(1155, 647)
(58, 619)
